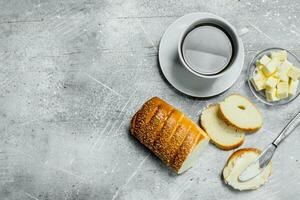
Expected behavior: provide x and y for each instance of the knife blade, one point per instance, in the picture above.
(257, 166)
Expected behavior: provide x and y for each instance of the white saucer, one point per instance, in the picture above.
(179, 77)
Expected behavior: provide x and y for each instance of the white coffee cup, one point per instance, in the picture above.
(208, 47)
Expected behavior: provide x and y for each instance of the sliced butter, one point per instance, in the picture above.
(294, 73)
(258, 80)
(271, 94)
(265, 60)
(280, 55)
(271, 67)
(286, 64)
(283, 77)
(293, 87)
(260, 75)
(258, 84)
(276, 75)
(282, 90)
(259, 67)
(271, 82)
(283, 71)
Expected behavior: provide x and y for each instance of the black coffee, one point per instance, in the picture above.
(207, 49)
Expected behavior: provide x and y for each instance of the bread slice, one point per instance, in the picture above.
(237, 163)
(239, 112)
(168, 133)
(190, 149)
(222, 135)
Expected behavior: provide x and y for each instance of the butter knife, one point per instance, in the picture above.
(257, 166)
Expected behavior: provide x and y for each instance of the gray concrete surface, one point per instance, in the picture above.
(73, 73)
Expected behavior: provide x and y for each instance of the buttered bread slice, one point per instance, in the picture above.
(237, 163)
(222, 135)
(239, 112)
(169, 134)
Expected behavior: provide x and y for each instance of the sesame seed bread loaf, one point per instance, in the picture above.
(223, 136)
(169, 134)
(237, 163)
(240, 113)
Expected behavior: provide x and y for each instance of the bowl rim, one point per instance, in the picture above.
(249, 74)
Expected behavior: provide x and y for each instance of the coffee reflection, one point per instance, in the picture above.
(207, 49)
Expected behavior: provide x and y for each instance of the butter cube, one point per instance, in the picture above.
(271, 67)
(271, 82)
(258, 84)
(283, 69)
(259, 67)
(280, 55)
(276, 74)
(258, 80)
(282, 90)
(260, 75)
(271, 94)
(265, 60)
(287, 64)
(294, 73)
(281, 74)
(283, 77)
(293, 87)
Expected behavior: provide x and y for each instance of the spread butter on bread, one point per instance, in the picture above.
(237, 163)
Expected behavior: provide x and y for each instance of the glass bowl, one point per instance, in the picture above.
(260, 95)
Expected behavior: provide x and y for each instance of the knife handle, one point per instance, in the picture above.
(288, 129)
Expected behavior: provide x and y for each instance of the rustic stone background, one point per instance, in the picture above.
(73, 72)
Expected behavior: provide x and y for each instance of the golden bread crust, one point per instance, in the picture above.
(230, 123)
(166, 131)
(172, 146)
(239, 152)
(190, 141)
(218, 144)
